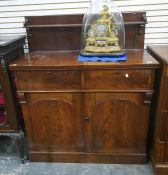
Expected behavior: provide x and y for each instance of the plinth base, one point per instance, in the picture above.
(105, 49)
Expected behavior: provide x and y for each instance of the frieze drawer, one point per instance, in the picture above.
(119, 79)
(48, 80)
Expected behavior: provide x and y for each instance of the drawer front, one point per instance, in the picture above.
(47, 80)
(119, 79)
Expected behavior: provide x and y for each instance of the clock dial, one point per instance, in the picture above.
(91, 33)
(101, 29)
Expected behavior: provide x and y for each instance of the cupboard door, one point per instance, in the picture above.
(53, 122)
(118, 122)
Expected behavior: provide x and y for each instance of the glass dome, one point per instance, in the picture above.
(103, 30)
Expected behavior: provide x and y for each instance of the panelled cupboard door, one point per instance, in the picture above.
(54, 122)
(118, 122)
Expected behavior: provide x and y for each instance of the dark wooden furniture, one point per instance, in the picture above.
(160, 138)
(10, 49)
(55, 33)
(84, 111)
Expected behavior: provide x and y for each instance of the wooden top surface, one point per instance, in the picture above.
(68, 60)
(6, 40)
(9, 44)
(160, 51)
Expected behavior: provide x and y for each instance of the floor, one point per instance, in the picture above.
(10, 165)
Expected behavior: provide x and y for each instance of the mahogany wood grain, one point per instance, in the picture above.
(68, 61)
(63, 20)
(114, 119)
(56, 122)
(84, 111)
(70, 113)
(48, 80)
(160, 136)
(119, 79)
(111, 80)
(83, 157)
(63, 32)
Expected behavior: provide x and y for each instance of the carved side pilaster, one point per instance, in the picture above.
(22, 97)
(148, 97)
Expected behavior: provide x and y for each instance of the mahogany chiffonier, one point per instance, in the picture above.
(160, 138)
(84, 111)
(10, 49)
